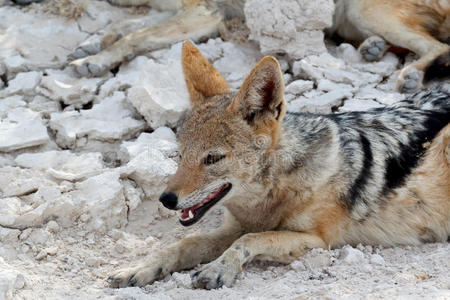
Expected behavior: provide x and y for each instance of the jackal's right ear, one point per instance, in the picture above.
(261, 96)
(202, 80)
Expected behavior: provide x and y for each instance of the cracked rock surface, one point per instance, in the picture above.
(83, 160)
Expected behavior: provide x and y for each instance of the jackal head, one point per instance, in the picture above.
(226, 137)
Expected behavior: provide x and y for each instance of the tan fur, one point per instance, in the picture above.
(251, 89)
(414, 25)
(202, 80)
(271, 213)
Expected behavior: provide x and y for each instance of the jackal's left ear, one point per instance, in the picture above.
(202, 79)
(261, 96)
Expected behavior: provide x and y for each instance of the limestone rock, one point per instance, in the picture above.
(356, 104)
(63, 164)
(326, 66)
(158, 92)
(65, 86)
(110, 120)
(31, 40)
(23, 134)
(281, 26)
(23, 83)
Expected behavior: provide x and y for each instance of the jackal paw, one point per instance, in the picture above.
(214, 275)
(90, 46)
(137, 276)
(410, 80)
(373, 48)
(94, 65)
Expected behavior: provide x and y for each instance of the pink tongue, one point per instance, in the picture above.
(185, 214)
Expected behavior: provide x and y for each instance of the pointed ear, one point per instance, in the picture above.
(202, 80)
(261, 96)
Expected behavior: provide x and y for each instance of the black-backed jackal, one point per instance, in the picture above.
(292, 182)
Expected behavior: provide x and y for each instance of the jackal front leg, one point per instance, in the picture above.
(193, 23)
(281, 246)
(181, 255)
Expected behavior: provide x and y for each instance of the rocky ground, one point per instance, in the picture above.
(83, 160)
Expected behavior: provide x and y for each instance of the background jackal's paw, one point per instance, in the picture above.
(410, 80)
(214, 275)
(137, 276)
(91, 66)
(373, 48)
(90, 46)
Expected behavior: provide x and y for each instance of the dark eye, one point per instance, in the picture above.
(212, 159)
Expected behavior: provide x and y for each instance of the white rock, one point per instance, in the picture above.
(36, 42)
(151, 160)
(20, 135)
(66, 86)
(52, 226)
(348, 53)
(319, 260)
(8, 235)
(158, 91)
(110, 120)
(6, 160)
(19, 114)
(10, 280)
(63, 164)
(43, 105)
(23, 83)
(287, 78)
(328, 86)
(41, 255)
(9, 209)
(334, 69)
(102, 198)
(94, 262)
(385, 67)
(386, 98)
(298, 87)
(48, 201)
(317, 102)
(132, 194)
(16, 181)
(356, 104)
(8, 103)
(298, 266)
(39, 236)
(235, 62)
(351, 255)
(376, 259)
(281, 26)
(150, 169)
(182, 280)
(162, 139)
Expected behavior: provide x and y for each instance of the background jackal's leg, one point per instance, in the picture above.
(407, 30)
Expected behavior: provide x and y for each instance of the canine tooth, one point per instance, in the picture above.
(179, 213)
(191, 214)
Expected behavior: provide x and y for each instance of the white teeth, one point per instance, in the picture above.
(191, 215)
(179, 213)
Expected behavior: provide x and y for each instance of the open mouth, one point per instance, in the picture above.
(191, 215)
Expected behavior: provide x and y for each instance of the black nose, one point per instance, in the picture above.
(169, 200)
